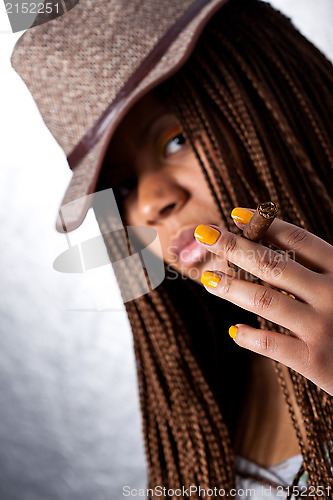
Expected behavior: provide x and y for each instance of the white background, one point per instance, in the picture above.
(69, 419)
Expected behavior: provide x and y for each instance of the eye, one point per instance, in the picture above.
(172, 142)
(124, 188)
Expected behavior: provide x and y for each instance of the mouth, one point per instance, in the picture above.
(185, 249)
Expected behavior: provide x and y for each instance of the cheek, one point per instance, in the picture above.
(129, 212)
(192, 176)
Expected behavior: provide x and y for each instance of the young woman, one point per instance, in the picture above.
(226, 131)
(245, 120)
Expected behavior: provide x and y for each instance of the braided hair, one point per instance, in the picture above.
(255, 74)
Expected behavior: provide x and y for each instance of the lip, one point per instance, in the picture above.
(185, 247)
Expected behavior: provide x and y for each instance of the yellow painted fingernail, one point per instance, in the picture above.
(206, 234)
(211, 279)
(242, 215)
(233, 331)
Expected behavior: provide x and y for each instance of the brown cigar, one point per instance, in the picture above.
(260, 221)
(258, 224)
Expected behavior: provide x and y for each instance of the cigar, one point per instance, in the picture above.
(258, 224)
(260, 221)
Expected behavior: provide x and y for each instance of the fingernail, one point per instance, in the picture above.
(233, 331)
(242, 215)
(211, 279)
(207, 234)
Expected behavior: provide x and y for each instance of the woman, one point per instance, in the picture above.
(245, 120)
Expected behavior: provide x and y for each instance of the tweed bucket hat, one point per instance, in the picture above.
(87, 68)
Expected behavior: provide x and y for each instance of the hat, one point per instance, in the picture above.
(87, 68)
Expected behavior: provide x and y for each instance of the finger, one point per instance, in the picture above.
(261, 300)
(309, 249)
(291, 351)
(272, 267)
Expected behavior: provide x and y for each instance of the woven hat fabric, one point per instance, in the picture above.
(76, 66)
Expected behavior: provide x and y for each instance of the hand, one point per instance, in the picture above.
(309, 278)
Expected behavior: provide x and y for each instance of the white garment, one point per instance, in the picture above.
(282, 474)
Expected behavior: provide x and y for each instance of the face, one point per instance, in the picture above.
(155, 174)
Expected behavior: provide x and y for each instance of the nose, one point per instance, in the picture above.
(159, 196)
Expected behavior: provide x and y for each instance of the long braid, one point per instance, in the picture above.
(279, 115)
(318, 458)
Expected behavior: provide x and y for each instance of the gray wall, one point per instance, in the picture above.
(70, 426)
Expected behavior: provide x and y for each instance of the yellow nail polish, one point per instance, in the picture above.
(207, 234)
(233, 331)
(288, 294)
(242, 215)
(211, 279)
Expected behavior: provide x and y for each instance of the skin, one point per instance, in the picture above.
(170, 194)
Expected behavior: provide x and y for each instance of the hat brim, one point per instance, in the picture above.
(86, 159)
